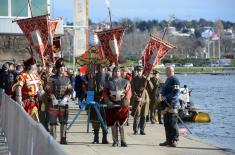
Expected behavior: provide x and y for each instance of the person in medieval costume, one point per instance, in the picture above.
(153, 88)
(27, 88)
(44, 99)
(140, 101)
(100, 80)
(59, 90)
(117, 94)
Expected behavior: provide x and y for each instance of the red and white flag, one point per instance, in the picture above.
(155, 50)
(111, 41)
(39, 31)
(49, 51)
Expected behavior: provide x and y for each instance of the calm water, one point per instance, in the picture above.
(214, 94)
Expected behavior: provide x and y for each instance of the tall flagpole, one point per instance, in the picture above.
(108, 6)
(30, 8)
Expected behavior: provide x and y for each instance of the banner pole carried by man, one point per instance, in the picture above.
(117, 91)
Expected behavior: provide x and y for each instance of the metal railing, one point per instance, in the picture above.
(24, 135)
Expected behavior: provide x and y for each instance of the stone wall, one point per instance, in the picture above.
(13, 47)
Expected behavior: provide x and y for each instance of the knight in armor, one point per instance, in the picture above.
(154, 85)
(140, 101)
(117, 94)
(44, 99)
(100, 80)
(59, 90)
(170, 93)
(27, 88)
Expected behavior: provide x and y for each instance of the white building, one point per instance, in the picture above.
(11, 10)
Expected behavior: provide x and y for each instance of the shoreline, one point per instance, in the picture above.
(198, 139)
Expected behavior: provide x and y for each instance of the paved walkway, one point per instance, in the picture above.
(79, 142)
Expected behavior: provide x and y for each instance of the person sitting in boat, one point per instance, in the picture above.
(184, 97)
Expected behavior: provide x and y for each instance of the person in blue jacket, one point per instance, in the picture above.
(170, 92)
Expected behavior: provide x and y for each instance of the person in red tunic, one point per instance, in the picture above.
(27, 87)
(117, 94)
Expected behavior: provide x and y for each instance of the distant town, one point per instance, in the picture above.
(199, 42)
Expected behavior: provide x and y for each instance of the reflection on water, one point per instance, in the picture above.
(214, 94)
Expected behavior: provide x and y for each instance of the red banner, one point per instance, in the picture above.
(49, 52)
(39, 31)
(155, 50)
(111, 41)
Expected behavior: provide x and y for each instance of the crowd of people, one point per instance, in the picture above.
(45, 93)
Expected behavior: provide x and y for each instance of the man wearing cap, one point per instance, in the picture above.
(170, 93)
(140, 101)
(100, 80)
(27, 88)
(154, 85)
(59, 90)
(44, 99)
(117, 94)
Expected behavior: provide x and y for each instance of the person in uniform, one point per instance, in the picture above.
(170, 92)
(140, 101)
(27, 88)
(154, 85)
(117, 94)
(59, 90)
(44, 99)
(100, 80)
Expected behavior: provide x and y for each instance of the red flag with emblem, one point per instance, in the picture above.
(155, 50)
(49, 51)
(111, 41)
(38, 31)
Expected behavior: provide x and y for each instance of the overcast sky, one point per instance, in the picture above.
(150, 9)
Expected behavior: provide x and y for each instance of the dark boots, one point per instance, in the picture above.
(63, 134)
(63, 141)
(96, 136)
(104, 138)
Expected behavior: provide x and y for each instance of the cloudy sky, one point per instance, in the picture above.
(150, 9)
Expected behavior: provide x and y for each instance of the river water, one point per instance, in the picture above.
(214, 94)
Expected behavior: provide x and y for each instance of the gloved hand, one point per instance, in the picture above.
(64, 101)
(55, 102)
